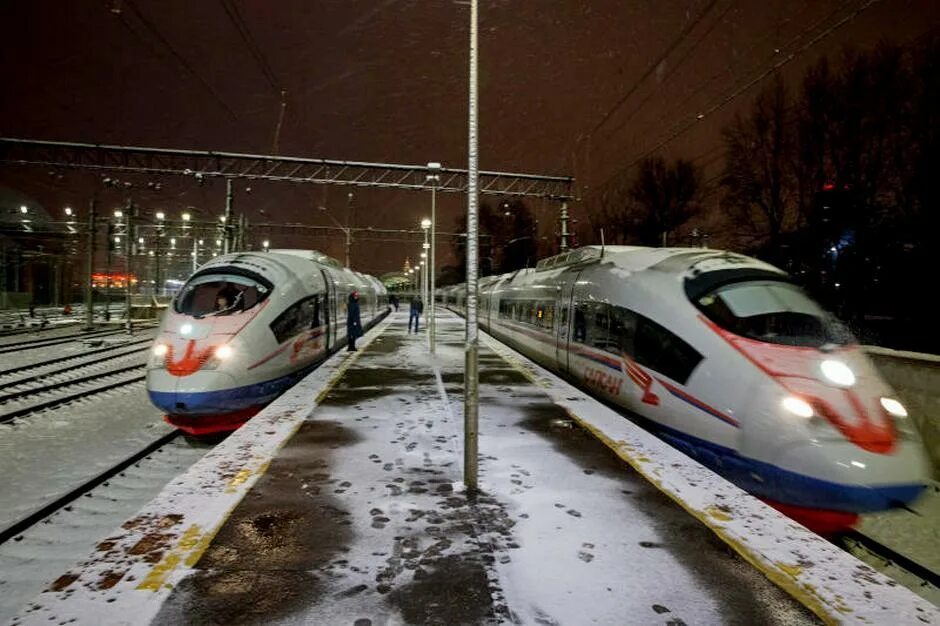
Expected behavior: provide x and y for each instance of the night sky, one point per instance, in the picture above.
(387, 81)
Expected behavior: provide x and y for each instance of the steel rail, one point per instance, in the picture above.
(48, 404)
(61, 370)
(15, 395)
(18, 527)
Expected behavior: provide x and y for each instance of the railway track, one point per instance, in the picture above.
(19, 346)
(16, 529)
(70, 363)
(862, 546)
(111, 379)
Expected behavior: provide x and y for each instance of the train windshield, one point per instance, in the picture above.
(220, 294)
(773, 312)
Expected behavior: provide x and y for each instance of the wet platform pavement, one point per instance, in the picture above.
(361, 519)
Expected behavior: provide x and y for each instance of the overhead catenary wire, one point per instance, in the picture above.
(675, 67)
(655, 64)
(180, 59)
(235, 16)
(763, 39)
(725, 100)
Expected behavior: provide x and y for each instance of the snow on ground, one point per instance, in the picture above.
(32, 561)
(49, 453)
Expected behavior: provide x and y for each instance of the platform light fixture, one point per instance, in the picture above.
(24, 209)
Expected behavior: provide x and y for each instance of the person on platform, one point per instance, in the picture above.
(417, 308)
(393, 299)
(353, 321)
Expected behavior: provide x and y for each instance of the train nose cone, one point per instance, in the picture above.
(203, 393)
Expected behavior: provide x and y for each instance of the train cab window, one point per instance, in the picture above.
(659, 349)
(773, 312)
(301, 316)
(219, 294)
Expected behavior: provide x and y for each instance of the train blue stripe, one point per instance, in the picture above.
(226, 400)
(775, 483)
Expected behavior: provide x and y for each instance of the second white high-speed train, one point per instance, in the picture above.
(245, 327)
(725, 358)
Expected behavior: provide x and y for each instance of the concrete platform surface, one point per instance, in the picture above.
(360, 518)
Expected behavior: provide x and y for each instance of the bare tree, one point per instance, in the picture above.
(759, 168)
(666, 195)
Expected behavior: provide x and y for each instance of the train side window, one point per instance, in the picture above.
(580, 324)
(623, 324)
(300, 316)
(662, 351)
(598, 325)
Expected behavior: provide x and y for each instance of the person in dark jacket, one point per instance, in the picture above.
(393, 299)
(417, 308)
(353, 321)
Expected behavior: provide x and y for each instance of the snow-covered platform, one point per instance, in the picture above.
(342, 503)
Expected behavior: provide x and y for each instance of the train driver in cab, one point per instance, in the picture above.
(226, 300)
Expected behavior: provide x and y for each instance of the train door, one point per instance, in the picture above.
(565, 308)
(329, 309)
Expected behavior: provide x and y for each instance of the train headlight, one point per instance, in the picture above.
(224, 352)
(798, 407)
(837, 373)
(894, 407)
(160, 350)
(185, 329)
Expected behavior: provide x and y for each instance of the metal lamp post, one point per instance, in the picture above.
(424, 276)
(433, 178)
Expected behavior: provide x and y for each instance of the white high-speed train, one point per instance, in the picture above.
(245, 327)
(723, 357)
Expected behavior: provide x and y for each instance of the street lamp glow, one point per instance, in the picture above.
(424, 255)
(426, 223)
(200, 242)
(173, 241)
(118, 213)
(161, 215)
(140, 240)
(68, 211)
(117, 239)
(23, 209)
(266, 243)
(218, 242)
(186, 217)
(222, 218)
(426, 245)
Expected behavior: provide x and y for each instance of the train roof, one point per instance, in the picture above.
(311, 255)
(638, 258)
